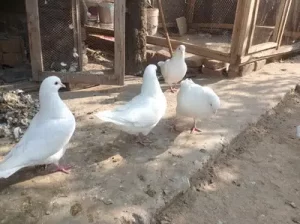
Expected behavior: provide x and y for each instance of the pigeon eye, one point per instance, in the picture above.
(56, 83)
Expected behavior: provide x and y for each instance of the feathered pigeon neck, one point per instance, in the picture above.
(150, 86)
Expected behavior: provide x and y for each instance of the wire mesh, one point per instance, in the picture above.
(212, 23)
(265, 21)
(57, 36)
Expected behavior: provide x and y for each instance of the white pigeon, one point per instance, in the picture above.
(45, 140)
(196, 102)
(144, 111)
(173, 70)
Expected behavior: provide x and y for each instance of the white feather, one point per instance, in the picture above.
(196, 101)
(144, 111)
(48, 134)
(173, 70)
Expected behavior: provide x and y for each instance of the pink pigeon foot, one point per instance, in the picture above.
(195, 129)
(64, 169)
(173, 90)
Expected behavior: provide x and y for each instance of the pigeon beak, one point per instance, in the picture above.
(62, 85)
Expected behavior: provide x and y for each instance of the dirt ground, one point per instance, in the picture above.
(113, 176)
(257, 182)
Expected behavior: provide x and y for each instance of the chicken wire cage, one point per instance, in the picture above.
(59, 39)
(233, 31)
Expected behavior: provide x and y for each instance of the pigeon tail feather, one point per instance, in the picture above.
(108, 116)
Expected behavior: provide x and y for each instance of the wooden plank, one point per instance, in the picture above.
(98, 30)
(191, 48)
(35, 46)
(119, 47)
(271, 53)
(253, 27)
(261, 47)
(278, 23)
(284, 20)
(82, 77)
(211, 25)
(190, 11)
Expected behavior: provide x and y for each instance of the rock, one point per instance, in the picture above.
(75, 209)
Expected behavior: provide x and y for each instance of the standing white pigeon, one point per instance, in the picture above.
(173, 70)
(196, 101)
(44, 142)
(144, 111)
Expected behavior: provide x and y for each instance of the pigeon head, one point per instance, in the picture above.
(186, 83)
(214, 101)
(180, 50)
(150, 84)
(51, 84)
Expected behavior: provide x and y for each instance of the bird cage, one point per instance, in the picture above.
(57, 42)
(234, 32)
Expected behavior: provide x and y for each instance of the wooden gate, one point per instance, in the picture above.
(63, 45)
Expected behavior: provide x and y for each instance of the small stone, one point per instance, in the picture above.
(47, 212)
(296, 220)
(203, 151)
(236, 183)
(290, 203)
(75, 209)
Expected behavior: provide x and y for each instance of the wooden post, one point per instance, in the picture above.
(190, 11)
(135, 34)
(165, 27)
(119, 27)
(279, 18)
(77, 31)
(241, 30)
(35, 46)
(253, 27)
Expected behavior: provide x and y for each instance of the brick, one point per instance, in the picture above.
(155, 56)
(259, 64)
(213, 64)
(213, 73)
(194, 61)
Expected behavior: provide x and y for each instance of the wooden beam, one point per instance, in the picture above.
(284, 20)
(262, 47)
(288, 49)
(98, 30)
(240, 35)
(77, 30)
(82, 77)
(191, 48)
(35, 46)
(190, 11)
(211, 25)
(278, 23)
(119, 47)
(253, 27)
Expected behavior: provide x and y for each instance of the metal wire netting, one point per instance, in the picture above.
(57, 35)
(215, 11)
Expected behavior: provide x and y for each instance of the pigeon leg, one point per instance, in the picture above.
(173, 90)
(194, 128)
(173, 125)
(143, 140)
(64, 169)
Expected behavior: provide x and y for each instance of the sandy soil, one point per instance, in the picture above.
(257, 182)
